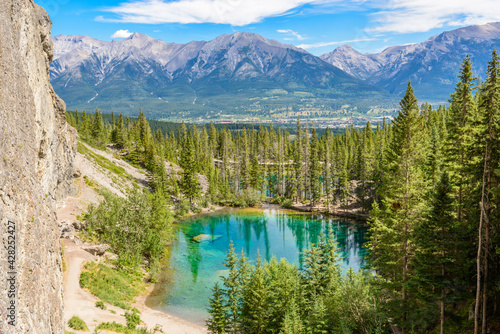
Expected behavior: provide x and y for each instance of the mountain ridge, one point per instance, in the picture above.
(432, 65)
(258, 74)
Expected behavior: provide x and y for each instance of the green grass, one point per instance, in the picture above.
(88, 181)
(119, 328)
(103, 162)
(77, 323)
(114, 286)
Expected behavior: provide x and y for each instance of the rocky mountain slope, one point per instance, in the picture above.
(432, 65)
(238, 73)
(37, 148)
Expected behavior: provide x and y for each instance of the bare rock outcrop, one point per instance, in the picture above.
(37, 148)
(98, 250)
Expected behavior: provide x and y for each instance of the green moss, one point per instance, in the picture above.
(114, 286)
(77, 323)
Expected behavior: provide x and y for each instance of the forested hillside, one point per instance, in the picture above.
(429, 181)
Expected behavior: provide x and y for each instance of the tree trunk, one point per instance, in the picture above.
(485, 276)
(480, 246)
(443, 292)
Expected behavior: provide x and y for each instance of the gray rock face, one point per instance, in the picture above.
(37, 148)
(432, 65)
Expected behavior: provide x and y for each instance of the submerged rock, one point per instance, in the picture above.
(205, 237)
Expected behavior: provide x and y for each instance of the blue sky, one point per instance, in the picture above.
(319, 26)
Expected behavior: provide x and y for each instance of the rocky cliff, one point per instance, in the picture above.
(37, 148)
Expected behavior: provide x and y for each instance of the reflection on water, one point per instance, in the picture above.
(201, 244)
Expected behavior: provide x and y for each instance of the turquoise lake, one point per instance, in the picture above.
(195, 266)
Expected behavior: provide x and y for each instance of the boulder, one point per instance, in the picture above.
(78, 225)
(98, 250)
(65, 227)
(110, 256)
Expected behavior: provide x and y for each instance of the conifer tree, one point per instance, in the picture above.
(436, 244)
(292, 323)
(255, 174)
(98, 131)
(256, 313)
(402, 205)
(460, 128)
(233, 291)
(314, 169)
(299, 162)
(489, 143)
(190, 185)
(217, 322)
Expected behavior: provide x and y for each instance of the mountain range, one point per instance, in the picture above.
(432, 65)
(242, 73)
(247, 74)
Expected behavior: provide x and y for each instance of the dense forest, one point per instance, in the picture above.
(429, 181)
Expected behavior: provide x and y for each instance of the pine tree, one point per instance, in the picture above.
(489, 143)
(255, 174)
(217, 322)
(460, 127)
(98, 131)
(292, 323)
(402, 205)
(299, 162)
(232, 290)
(190, 185)
(256, 315)
(314, 169)
(436, 243)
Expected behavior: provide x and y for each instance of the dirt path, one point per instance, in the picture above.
(81, 303)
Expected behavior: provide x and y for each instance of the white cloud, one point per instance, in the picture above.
(321, 44)
(407, 16)
(290, 32)
(234, 12)
(121, 34)
(401, 16)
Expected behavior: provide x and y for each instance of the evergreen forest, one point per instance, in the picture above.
(428, 181)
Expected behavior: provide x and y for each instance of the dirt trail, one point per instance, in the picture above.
(81, 302)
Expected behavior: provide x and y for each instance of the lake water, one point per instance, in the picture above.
(195, 266)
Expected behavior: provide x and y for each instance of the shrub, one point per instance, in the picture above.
(249, 197)
(283, 202)
(182, 208)
(136, 228)
(77, 323)
(133, 319)
(119, 328)
(100, 305)
(88, 181)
